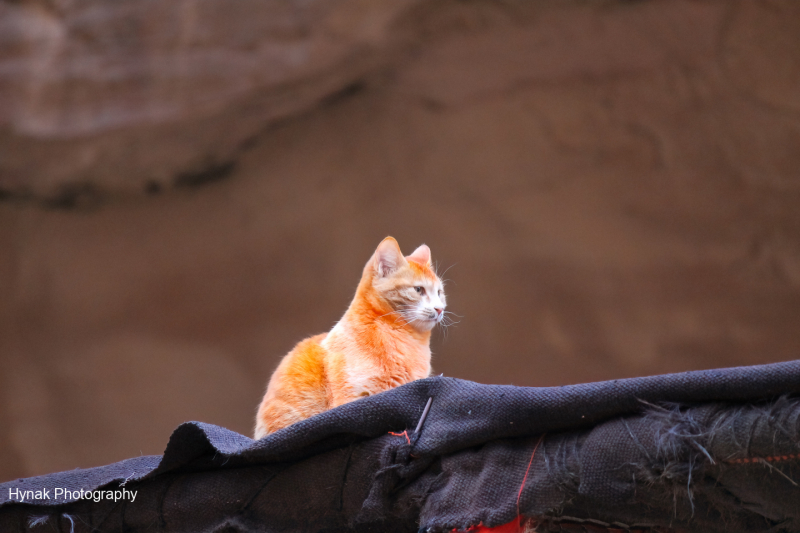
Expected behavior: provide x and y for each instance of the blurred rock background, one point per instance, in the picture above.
(188, 188)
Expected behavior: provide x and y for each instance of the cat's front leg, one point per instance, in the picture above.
(350, 392)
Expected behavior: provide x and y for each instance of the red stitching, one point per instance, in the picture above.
(403, 434)
(524, 479)
(770, 459)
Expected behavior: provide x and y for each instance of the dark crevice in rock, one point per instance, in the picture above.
(49, 6)
(11, 196)
(212, 173)
(343, 94)
(88, 196)
(249, 142)
(332, 98)
(153, 187)
(432, 104)
(83, 196)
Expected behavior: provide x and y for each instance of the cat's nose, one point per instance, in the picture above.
(439, 311)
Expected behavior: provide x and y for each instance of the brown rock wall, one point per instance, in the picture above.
(111, 97)
(612, 185)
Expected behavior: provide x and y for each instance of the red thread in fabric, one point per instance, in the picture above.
(519, 494)
(515, 526)
(770, 459)
(403, 434)
(512, 527)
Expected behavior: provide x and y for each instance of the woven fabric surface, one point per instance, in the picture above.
(712, 450)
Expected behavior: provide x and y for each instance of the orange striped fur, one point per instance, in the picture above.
(382, 341)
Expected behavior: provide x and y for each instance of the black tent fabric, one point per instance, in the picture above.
(715, 450)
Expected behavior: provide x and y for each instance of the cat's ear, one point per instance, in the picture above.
(388, 257)
(421, 255)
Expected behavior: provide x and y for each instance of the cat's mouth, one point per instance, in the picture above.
(434, 318)
(426, 324)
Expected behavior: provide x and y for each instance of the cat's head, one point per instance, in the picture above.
(408, 285)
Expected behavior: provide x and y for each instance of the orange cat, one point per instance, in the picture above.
(382, 341)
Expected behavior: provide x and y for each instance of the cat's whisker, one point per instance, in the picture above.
(385, 314)
(412, 319)
(403, 311)
(448, 321)
(445, 272)
(444, 331)
(405, 318)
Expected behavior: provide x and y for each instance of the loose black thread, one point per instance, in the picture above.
(162, 520)
(99, 524)
(416, 432)
(424, 415)
(90, 523)
(344, 474)
(751, 437)
(776, 469)
(122, 516)
(255, 495)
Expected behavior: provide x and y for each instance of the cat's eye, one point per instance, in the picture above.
(440, 292)
(419, 289)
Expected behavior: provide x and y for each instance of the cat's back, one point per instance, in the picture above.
(304, 366)
(297, 389)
